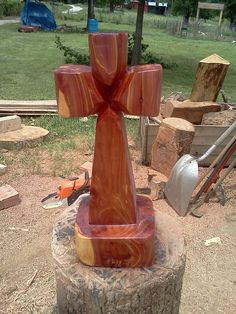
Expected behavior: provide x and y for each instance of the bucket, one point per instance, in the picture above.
(92, 25)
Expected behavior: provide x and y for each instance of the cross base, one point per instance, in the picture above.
(129, 245)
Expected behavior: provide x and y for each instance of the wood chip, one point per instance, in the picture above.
(31, 280)
(18, 228)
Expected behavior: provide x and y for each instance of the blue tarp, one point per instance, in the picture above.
(37, 14)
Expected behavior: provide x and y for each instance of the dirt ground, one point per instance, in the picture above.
(210, 277)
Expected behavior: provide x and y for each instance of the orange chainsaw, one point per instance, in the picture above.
(67, 192)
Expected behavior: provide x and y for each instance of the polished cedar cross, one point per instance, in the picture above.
(114, 227)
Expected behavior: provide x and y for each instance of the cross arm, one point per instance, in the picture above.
(77, 94)
(139, 93)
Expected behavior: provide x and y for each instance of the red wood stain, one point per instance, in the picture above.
(116, 225)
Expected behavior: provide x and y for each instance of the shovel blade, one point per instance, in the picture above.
(181, 184)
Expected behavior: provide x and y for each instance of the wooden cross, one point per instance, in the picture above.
(114, 227)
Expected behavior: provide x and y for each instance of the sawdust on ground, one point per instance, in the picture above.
(210, 276)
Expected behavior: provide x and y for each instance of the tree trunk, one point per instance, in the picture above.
(138, 34)
(112, 7)
(186, 20)
(91, 14)
(232, 25)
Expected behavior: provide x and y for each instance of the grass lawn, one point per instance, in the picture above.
(27, 60)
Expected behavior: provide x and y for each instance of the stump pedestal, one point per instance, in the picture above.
(92, 290)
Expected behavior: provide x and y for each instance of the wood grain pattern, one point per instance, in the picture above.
(210, 75)
(189, 110)
(109, 55)
(77, 94)
(174, 139)
(114, 228)
(127, 245)
(140, 92)
(112, 190)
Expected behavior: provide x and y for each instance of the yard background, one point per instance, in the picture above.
(27, 60)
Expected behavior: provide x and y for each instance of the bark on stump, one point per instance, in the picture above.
(96, 290)
(209, 79)
(174, 139)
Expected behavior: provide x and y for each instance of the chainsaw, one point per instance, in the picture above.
(71, 189)
(67, 192)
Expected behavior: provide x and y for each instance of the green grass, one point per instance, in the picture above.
(69, 144)
(2, 159)
(27, 60)
(65, 133)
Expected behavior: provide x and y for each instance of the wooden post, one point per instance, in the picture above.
(219, 24)
(220, 19)
(93, 290)
(211, 6)
(209, 79)
(197, 17)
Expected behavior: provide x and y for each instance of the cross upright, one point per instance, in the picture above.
(114, 227)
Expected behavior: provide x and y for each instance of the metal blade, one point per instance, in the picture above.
(181, 184)
(55, 204)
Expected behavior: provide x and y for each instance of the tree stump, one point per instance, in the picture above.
(174, 139)
(98, 290)
(209, 78)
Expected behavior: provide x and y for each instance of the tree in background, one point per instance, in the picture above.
(230, 12)
(91, 14)
(138, 34)
(108, 3)
(186, 8)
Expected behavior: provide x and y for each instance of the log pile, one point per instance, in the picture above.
(208, 81)
(176, 131)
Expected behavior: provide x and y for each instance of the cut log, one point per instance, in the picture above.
(173, 140)
(188, 110)
(27, 136)
(87, 166)
(210, 75)
(157, 182)
(98, 290)
(3, 169)
(8, 197)
(226, 117)
(10, 123)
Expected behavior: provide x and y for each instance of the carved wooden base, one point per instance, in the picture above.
(130, 245)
